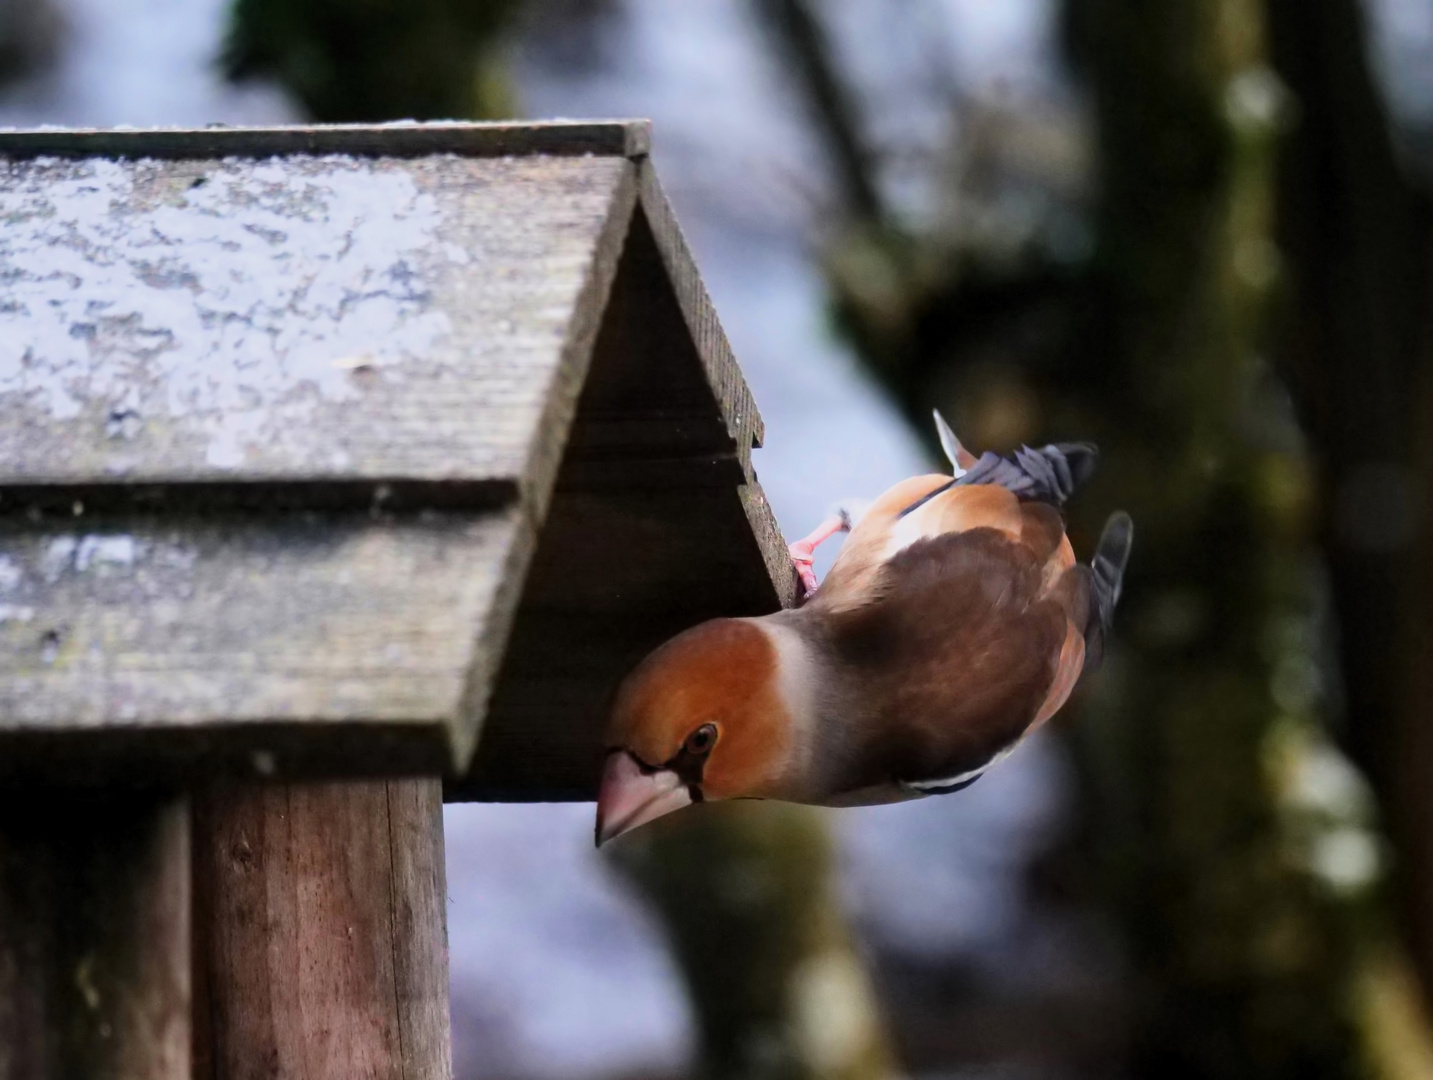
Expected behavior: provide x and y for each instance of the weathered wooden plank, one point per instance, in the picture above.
(733, 396)
(568, 138)
(321, 921)
(420, 926)
(770, 545)
(94, 937)
(588, 315)
(242, 639)
(306, 319)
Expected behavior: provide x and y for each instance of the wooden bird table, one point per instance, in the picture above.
(338, 466)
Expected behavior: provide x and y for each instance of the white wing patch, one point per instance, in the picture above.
(959, 781)
(914, 526)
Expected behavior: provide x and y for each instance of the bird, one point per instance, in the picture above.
(954, 622)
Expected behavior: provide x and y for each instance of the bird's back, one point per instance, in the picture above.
(957, 615)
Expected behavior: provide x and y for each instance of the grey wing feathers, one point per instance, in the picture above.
(1050, 474)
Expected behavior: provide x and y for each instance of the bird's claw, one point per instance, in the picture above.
(802, 553)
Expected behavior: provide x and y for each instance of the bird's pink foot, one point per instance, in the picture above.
(801, 555)
(803, 550)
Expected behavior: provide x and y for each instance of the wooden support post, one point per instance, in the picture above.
(94, 937)
(322, 932)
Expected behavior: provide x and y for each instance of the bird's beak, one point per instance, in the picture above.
(631, 797)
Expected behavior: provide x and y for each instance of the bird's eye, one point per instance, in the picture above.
(702, 740)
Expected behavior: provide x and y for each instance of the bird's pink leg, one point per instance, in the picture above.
(803, 550)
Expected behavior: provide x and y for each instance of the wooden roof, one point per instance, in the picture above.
(323, 449)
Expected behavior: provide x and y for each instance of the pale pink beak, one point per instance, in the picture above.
(631, 797)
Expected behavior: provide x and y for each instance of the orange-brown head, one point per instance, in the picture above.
(700, 718)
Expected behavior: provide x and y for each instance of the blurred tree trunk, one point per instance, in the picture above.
(1358, 234)
(745, 890)
(378, 60)
(30, 35)
(1248, 956)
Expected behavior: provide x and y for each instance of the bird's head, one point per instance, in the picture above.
(700, 718)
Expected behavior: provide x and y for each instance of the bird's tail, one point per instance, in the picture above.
(1050, 474)
(1107, 571)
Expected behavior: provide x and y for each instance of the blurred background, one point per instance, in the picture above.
(1198, 232)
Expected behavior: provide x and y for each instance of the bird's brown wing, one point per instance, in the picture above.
(963, 647)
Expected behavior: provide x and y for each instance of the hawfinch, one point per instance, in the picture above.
(954, 622)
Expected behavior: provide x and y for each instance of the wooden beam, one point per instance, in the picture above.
(321, 932)
(266, 646)
(556, 138)
(94, 937)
